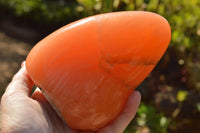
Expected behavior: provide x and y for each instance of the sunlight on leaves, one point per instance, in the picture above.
(181, 95)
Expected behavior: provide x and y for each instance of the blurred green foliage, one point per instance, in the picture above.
(148, 120)
(42, 11)
(147, 116)
(181, 95)
(183, 16)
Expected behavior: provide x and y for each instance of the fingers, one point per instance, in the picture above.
(37, 95)
(21, 83)
(23, 63)
(122, 121)
(129, 112)
(58, 124)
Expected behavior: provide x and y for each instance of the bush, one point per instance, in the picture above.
(183, 15)
(148, 120)
(42, 11)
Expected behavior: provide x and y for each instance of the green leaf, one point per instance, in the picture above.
(198, 106)
(181, 95)
(107, 5)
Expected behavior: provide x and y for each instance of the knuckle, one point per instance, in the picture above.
(17, 77)
(6, 96)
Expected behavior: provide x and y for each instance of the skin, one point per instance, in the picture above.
(22, 113)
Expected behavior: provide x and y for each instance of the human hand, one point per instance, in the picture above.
(22, 113)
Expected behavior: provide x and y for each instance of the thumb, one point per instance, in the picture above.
(21, 83)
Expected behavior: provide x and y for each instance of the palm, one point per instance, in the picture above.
(44, 116)
(48, 115)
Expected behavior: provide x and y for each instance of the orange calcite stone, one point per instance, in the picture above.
(87, 69)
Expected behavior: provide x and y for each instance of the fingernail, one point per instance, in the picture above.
(23, 63)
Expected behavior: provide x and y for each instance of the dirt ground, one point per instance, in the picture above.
(12, 53)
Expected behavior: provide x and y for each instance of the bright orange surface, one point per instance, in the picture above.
(87, 69)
